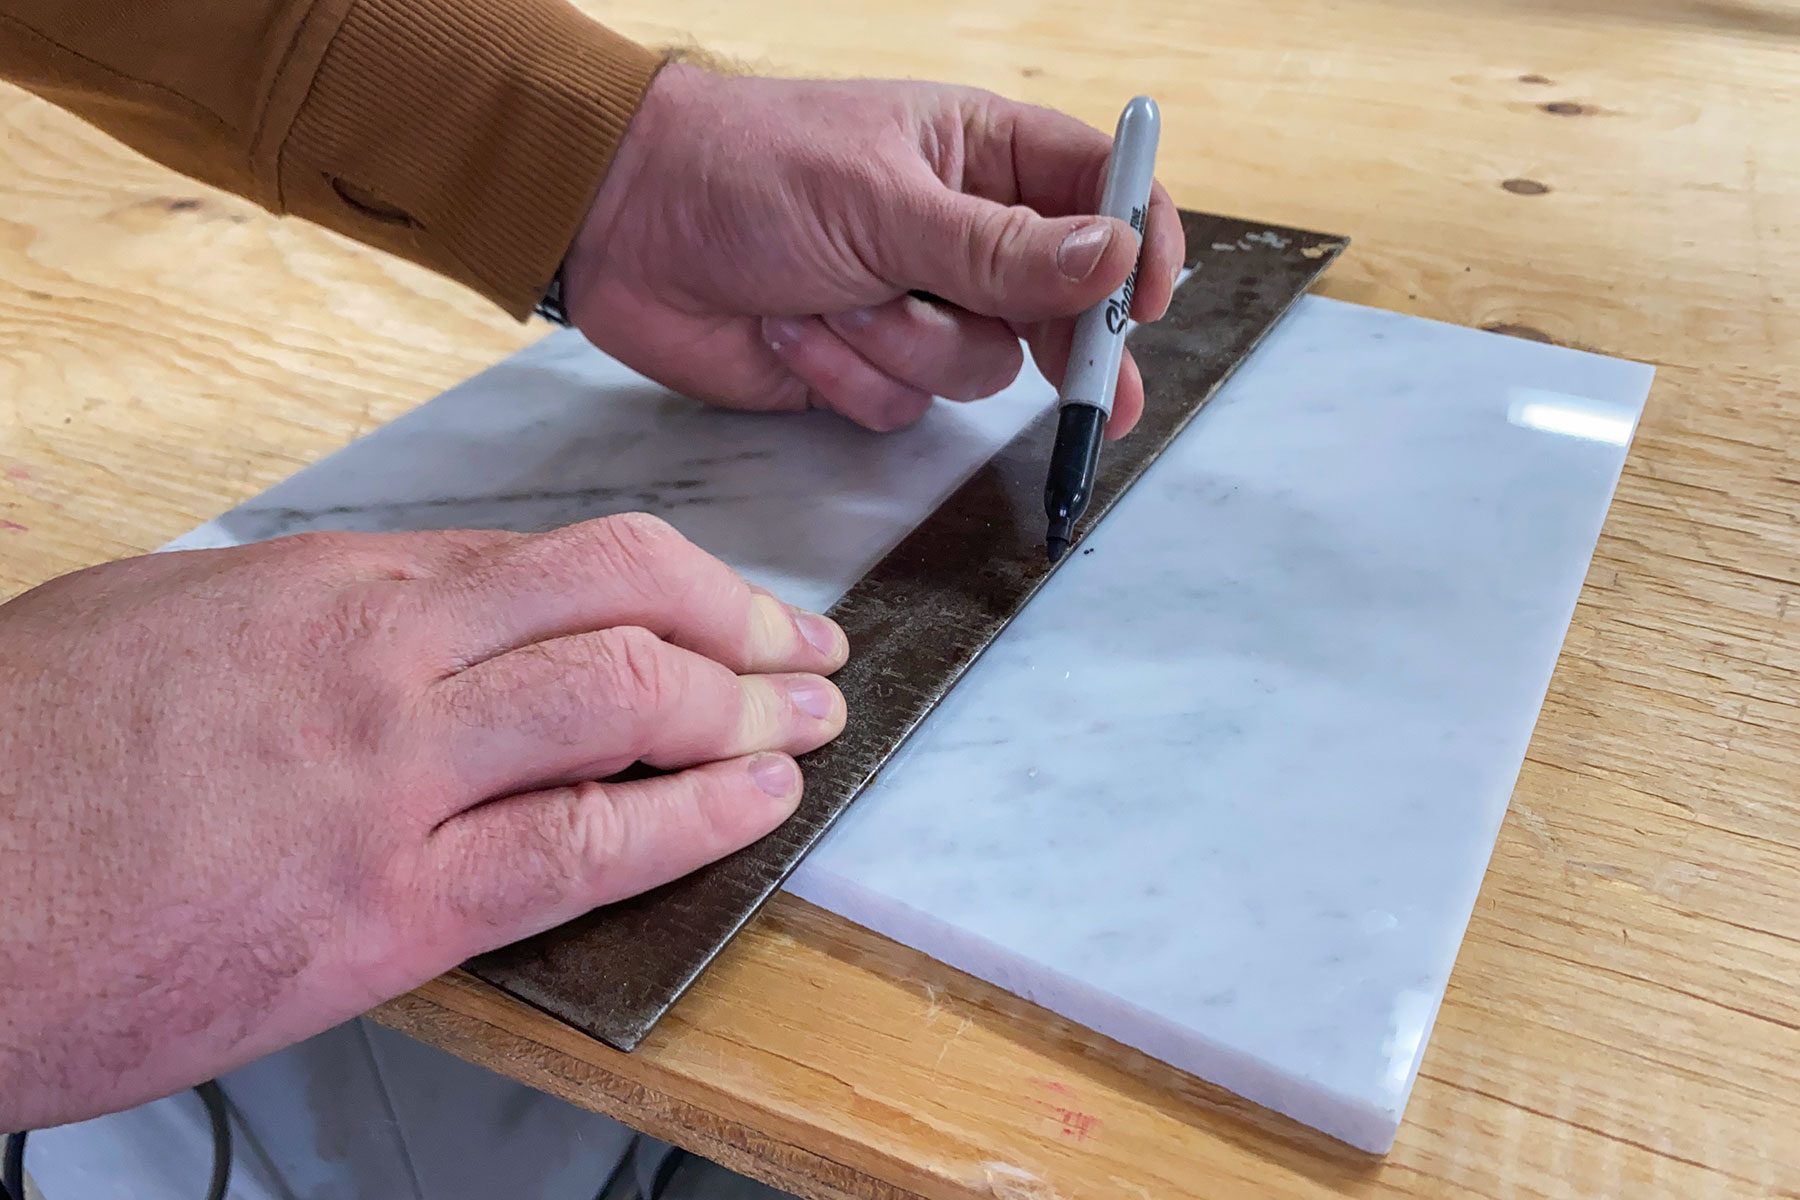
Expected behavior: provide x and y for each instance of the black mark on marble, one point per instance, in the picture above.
(1567, 108)
(1536, 79)
(1525, 187)
(1031, 72)
(182, 204)
(283, 517)
(713, 460)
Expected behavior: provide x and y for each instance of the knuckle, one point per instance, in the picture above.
(544, 692)
(524, 867)
(763, 711)
(635, 666)
(367, 612)
(786, 393)
(339, 681)
(994, 241)
(468, 549)
(594, 833)
(640, 536)
(716, 820)
(723, 809)
(630, 549)
(638, 548)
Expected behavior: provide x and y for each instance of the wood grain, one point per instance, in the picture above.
(1624, 1019)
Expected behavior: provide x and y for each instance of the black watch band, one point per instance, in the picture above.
(551, 306)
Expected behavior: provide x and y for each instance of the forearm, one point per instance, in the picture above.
(465, 135)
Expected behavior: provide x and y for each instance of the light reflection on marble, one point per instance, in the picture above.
(1227, 789)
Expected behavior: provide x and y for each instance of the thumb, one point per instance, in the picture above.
(1007, 261)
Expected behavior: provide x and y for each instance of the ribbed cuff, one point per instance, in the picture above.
(465, 135)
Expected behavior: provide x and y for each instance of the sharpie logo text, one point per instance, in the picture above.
(1118, 308)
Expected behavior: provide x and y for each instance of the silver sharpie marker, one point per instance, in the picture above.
(1093, 373)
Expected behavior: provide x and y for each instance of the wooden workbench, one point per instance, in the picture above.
(1622, 175)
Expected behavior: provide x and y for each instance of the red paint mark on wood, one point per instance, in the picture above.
(1077, 1124)
(13, 526)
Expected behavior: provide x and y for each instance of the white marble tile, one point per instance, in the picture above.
(1227, 789)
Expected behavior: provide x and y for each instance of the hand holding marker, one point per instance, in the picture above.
(1099, 343)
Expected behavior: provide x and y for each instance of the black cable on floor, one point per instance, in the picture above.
(621, 1184)
(665, 1172)
(214, 1099)
(12, 1168)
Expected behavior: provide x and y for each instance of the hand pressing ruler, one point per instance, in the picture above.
(916, 622)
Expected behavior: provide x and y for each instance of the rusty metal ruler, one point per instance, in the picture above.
(918, 619)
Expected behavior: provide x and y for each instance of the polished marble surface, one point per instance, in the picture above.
(1226, 790)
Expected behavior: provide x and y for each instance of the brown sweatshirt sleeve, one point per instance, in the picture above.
(466, 135)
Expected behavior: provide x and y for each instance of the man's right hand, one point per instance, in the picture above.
(756, 244)
(246, 794)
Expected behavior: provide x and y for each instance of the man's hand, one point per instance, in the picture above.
(246, 794)
(755, 242)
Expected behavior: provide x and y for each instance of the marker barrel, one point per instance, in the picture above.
(1099, 343)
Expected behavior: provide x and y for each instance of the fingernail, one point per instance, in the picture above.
(821, 633)
(780, 332)
(857, 318)
(1081, 250)
(776, 774)
(814, 697)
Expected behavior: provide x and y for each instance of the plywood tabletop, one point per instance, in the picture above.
(1620, 175)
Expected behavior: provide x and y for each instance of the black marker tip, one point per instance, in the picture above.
(1056, 542)
(1055, 547)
